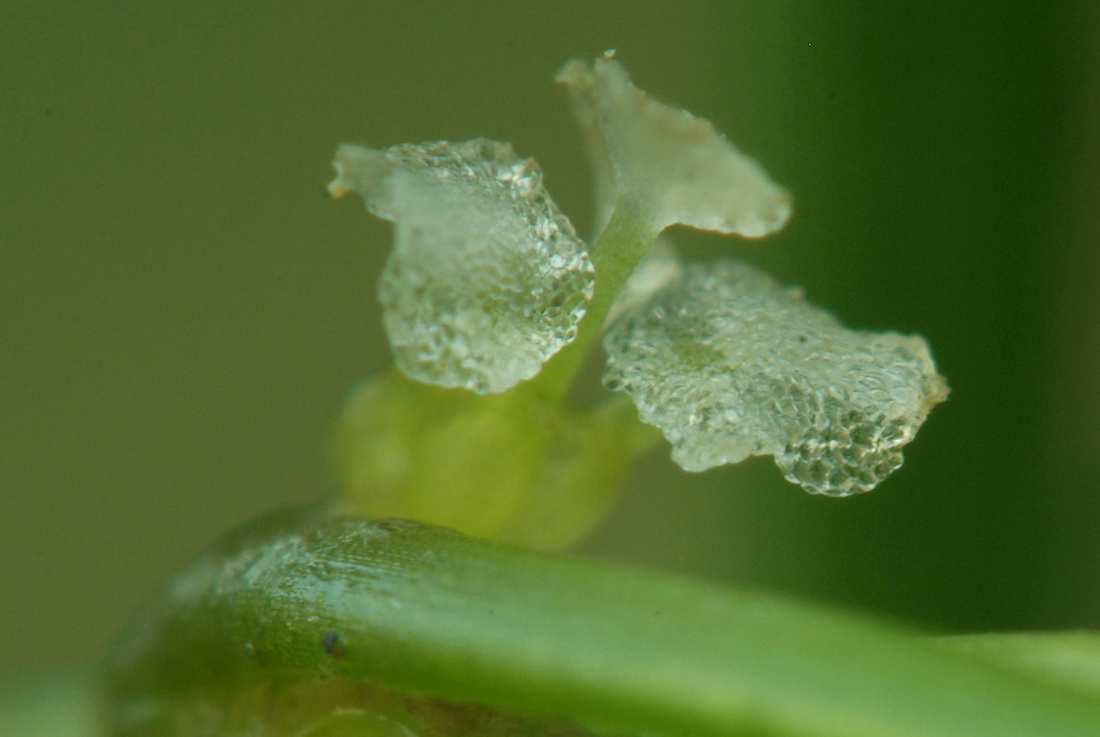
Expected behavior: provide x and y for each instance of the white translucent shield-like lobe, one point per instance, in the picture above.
(668, 165)
(577, 76)
(487, 279)
(728, 364)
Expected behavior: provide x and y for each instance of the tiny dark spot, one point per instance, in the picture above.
(332, 644)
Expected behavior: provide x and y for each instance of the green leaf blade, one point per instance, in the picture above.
(424, 610)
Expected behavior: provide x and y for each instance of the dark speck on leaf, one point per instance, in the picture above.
(332, 644)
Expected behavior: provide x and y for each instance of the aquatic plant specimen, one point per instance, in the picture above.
(333, 622)
(487, 281)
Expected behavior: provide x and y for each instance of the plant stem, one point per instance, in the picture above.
(424, 610)
(624, 242)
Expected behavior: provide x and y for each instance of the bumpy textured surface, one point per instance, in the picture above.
(669, 165)
(728, 363)
(487, 279)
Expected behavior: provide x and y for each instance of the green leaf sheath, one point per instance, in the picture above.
(424, 610)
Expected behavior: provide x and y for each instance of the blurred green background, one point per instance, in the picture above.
(182, 310)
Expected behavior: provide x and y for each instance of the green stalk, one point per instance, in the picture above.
(424, 610)
(618, 250)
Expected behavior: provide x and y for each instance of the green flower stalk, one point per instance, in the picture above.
(340, 620)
